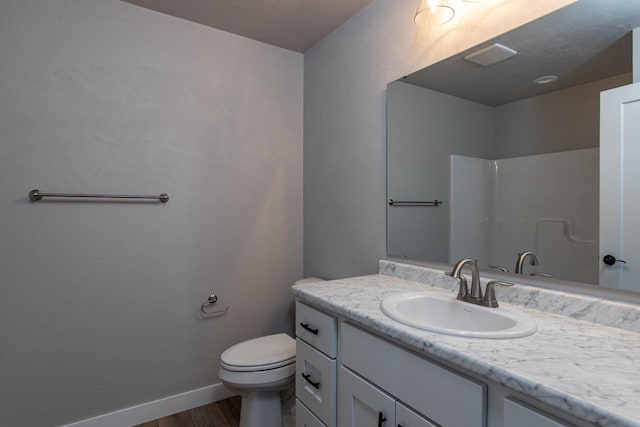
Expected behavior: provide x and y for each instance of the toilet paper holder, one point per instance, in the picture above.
(213, 298)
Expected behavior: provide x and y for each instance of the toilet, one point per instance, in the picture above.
(258, 370)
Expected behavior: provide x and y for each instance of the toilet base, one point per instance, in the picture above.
(261, 409)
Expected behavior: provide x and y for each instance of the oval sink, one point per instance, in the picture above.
(447, 315)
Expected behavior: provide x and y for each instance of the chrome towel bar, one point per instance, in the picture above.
(392, 202)
(35, 195)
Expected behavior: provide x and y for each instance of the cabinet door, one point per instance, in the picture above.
(405, 417)
(361, 404)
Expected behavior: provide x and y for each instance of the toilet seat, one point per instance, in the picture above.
(253, 368)
(260, 354)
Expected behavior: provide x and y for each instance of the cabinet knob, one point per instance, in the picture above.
(610, 260)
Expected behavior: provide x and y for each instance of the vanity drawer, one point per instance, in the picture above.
(305, 418)
(317, 329)
(519, 414)
(316, 382)
(433, 390)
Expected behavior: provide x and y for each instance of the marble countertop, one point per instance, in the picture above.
(583, 368)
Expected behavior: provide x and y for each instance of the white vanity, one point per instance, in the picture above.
(358, 367)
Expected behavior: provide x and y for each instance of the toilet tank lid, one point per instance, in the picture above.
(307, 280)
(265, 350)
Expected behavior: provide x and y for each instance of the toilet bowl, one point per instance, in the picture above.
(258, 370)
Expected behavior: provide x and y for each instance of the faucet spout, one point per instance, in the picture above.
(476, 290)
(522, 256)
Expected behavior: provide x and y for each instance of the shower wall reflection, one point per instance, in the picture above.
(514, 177)
(545, 203)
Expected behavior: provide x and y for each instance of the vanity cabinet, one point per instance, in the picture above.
(419, 383)
(316, 367)
(348, 377)
(362, 404)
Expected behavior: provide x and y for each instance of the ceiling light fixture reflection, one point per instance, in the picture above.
(434, 12)
(545, 80)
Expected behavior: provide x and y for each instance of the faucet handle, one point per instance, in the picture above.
(490, 293)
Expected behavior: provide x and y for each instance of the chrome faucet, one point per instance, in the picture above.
(522, 256)
(463, 292)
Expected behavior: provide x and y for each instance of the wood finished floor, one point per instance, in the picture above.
(225, 413)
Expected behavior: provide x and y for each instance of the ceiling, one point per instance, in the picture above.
(292, 24)
(586, 41)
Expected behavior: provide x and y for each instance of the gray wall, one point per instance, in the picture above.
(99, 302)
(344, 106)
(424, 129)
(565, 120)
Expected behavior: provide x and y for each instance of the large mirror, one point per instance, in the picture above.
(495, 152)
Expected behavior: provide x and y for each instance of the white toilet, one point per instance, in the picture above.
(258, 370)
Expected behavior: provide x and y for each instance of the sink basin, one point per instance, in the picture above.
(447, 315)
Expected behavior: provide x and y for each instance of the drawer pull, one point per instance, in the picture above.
(381, 419)
(306, 327)
(307, 378)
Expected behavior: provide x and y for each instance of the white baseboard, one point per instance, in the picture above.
(158, 408)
